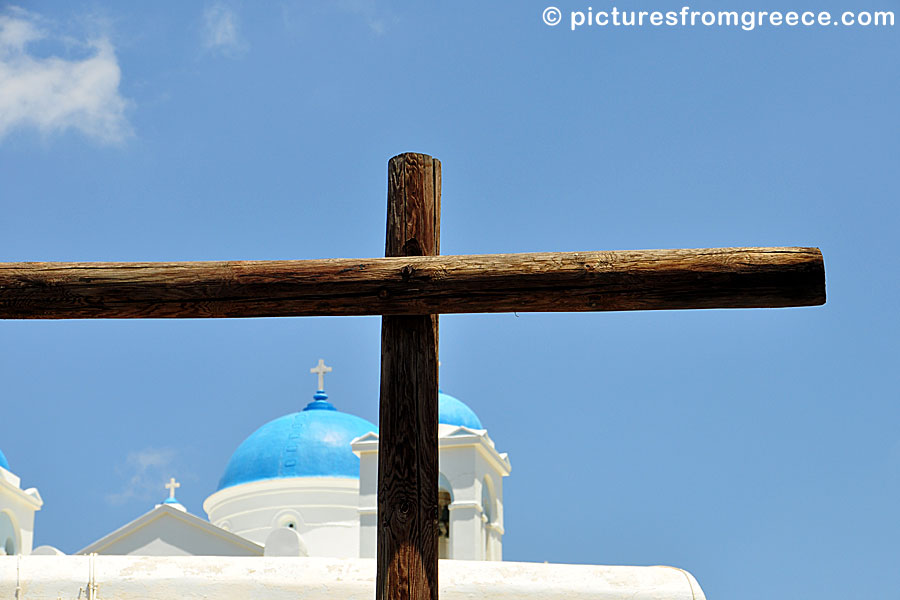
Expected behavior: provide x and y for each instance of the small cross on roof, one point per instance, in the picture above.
(171, 487)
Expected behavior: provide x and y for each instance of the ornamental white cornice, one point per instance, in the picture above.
(449, 437)
(9, 482)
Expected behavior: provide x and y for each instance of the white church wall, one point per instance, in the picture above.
(323, 510)
(490, 484)
(278, 578)
(367, 450)
(490, 519)
(17, 508)
(457, 464)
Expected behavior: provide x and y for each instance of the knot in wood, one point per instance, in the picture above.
(412, 247)
(384, 294)
(407, 272)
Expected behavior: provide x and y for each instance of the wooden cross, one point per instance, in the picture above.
(171, 486)
(409, 288)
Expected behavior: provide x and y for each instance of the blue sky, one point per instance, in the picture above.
(758, 449)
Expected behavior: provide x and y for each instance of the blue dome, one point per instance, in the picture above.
(312, 443)
(3, 462)
(455, 412)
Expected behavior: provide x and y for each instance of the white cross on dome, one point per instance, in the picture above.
(320, 370)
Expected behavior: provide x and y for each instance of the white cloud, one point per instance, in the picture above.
(146, 471)
(53, 94)
(222, 31)
(366, 10)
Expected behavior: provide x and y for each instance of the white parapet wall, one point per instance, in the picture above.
(323, 510)
(277, 578)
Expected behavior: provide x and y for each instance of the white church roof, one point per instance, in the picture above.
(168, 530)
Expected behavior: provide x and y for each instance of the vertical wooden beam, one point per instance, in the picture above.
(407, 448)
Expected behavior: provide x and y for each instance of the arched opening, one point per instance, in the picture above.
(443, 523)
(445, 498)
(9, 535)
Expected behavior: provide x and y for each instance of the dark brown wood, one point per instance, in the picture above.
(540, 282)
(408, 420)
(410, 287)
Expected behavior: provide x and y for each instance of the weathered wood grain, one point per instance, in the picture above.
(537, 282)
(408, 419)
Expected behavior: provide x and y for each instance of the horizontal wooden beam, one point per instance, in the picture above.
(538, 282)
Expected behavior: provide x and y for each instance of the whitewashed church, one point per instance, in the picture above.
(295, 514)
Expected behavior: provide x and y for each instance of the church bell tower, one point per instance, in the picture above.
(470, 486)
